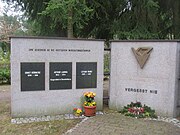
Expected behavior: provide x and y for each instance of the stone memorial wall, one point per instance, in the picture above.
(146, 72)
(50, 75)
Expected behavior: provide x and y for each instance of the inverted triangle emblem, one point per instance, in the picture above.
(142, 54)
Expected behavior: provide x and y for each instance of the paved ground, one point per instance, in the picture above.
(117, 124)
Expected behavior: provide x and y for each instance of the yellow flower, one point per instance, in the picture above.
(85, 103)
(90, 94)
(85, 94)
(79, 111)
(89, 97)
(93, 103)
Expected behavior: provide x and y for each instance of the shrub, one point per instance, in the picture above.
(5, 76)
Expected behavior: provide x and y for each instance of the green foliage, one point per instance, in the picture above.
(10, 25)
(58, 11)
(105, 12)
(4, 56)
(4, 67)
(170, 12)
(140, 23)
(3, 48)
(89, 99)
(138, 111)
(147, 19)
(5, 76)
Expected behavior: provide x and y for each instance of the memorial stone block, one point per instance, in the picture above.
(43, 74)
(146, 72)
(60, 76)
(86, 75)
(32, 76)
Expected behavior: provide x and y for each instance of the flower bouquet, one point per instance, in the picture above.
(138, 111)
(77, 111)
(89, 104)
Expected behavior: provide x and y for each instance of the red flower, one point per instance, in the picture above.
(130, 110)
(142, 110)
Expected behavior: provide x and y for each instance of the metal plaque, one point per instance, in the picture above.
(60, 75)
(32, 76)
(86, 75)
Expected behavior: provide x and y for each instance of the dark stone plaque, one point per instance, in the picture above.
(32, 76)
(86, 75)
(60, 75)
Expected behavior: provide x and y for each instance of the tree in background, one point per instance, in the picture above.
(110, 19)
(139, 23)
(71, 14)
(170, 12)
(8, 26)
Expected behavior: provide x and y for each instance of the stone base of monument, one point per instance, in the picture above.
(48, 118)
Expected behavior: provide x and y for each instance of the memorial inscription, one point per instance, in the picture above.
(141, 90)
(32, 76)
(60, 75)
(86, 75)
(57, 50)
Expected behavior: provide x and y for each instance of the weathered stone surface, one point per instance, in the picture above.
(41, 50)
(156, 84)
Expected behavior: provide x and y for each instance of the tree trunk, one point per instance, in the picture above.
(176, 19)
(70, 23)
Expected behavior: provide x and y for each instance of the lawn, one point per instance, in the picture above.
(57, 127)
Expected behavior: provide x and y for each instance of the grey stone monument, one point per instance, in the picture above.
(147, 72)
(50, 75)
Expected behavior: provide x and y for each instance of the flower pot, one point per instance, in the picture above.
(89, 110)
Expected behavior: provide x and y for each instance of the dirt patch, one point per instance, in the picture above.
(5, 93)
(106, 88)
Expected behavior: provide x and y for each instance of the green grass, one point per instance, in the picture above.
(57, 127)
